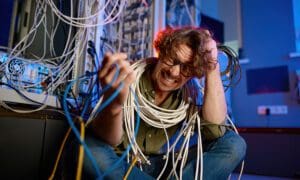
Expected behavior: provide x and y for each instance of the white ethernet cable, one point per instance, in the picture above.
(76, 22)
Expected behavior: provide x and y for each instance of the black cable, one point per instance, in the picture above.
(76, 102)
(233, 69)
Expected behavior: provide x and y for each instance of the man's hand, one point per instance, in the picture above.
(108, 125)
(111, 64)
(212, 52)
(211, 47)
(214, 107)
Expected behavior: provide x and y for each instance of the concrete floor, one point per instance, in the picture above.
(258, 177)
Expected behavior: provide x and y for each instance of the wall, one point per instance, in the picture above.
(210, 8)
(265, 155)
(268, 37)
(296, 6)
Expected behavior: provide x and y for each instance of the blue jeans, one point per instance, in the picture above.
(220, 158)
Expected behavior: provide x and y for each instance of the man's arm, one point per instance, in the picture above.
(214, 108)
(108, 124)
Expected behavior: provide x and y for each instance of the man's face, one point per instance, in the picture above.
(167, 76)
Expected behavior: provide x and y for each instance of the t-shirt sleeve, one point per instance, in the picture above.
(212, 131)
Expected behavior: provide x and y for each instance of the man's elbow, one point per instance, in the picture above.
(115, 141)
(215, 117)
(221, 116)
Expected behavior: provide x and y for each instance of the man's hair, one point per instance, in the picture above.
(168, 41)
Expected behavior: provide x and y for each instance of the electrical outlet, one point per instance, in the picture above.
(263, 110)
(279, 110)
(266, 110)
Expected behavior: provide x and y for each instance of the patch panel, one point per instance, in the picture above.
(137, 29)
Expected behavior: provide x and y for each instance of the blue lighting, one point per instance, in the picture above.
(296, 6)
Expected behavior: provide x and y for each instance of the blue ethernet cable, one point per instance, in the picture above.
(86, 103)
(70, 121)
(104, 104)
(93, 52)
(77, 134)
(111, 98)
(104, 89)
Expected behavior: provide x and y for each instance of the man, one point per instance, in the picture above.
(183, 53)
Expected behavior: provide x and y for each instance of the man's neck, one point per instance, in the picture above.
(160, 97)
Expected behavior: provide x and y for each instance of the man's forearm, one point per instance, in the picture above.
(214, 108)
(108, 125)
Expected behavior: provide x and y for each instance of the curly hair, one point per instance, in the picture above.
(168, 42)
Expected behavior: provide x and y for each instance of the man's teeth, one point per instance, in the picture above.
(170, 80)
(167, 78)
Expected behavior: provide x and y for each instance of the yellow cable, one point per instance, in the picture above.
(130, 168)
(59, 154)
(81, 151)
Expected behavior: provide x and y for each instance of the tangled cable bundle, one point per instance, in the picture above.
(162, 118)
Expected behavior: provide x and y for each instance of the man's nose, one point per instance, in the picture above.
(175, 70)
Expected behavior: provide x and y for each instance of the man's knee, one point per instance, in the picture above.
(104, 156)
(237, 148)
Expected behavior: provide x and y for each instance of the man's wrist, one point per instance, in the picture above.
(215, 69)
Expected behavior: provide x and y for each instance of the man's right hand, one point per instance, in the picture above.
(108, 125)
(126, 76)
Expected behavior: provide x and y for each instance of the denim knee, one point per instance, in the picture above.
(223, 156)
(237, 147)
